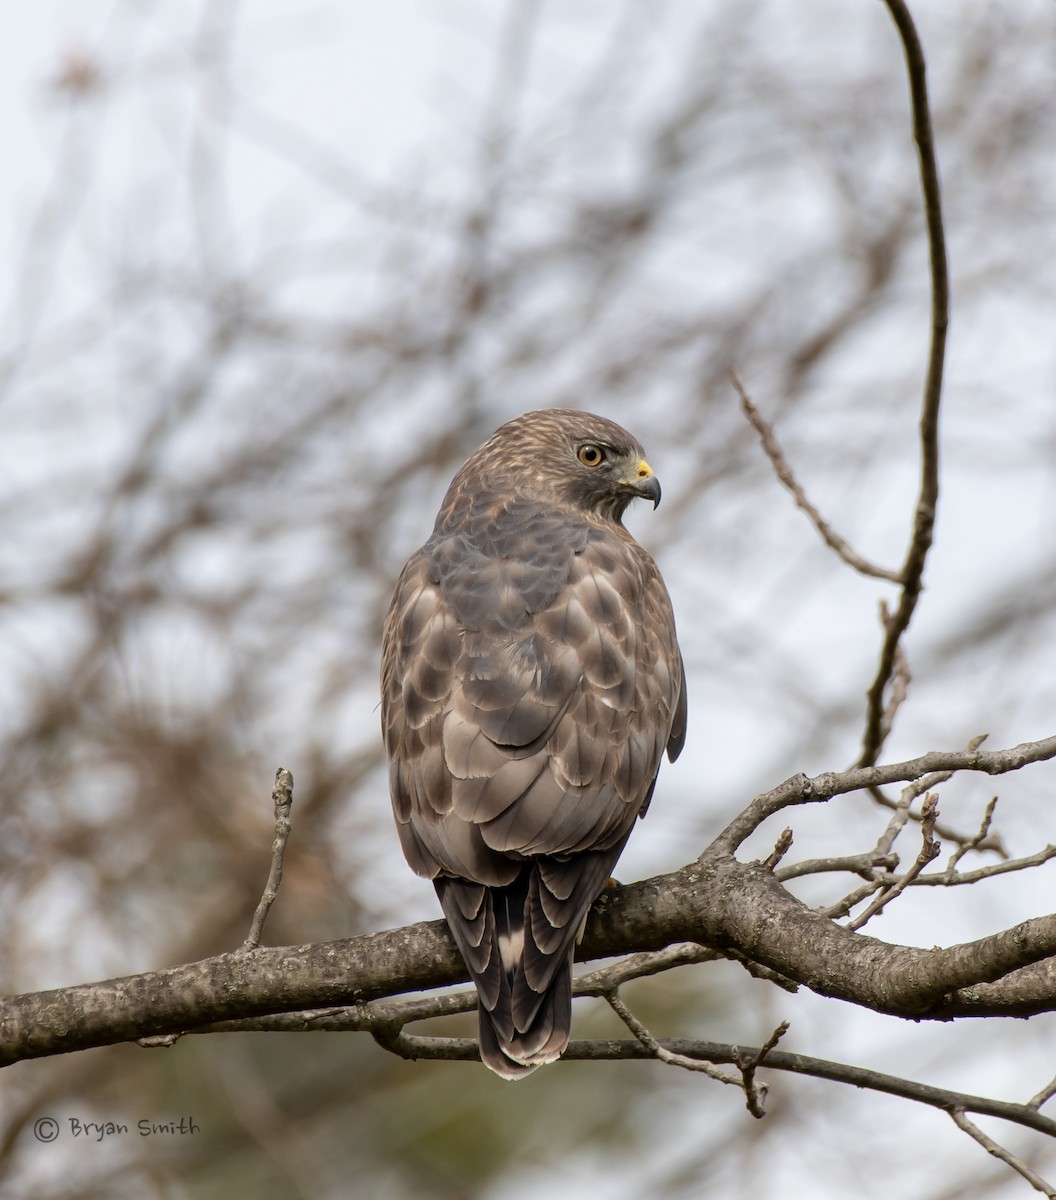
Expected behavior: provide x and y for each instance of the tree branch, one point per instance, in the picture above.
(1026, 1115)
(799, 789)
(842, 548)
(912, 572)
(929, 851)
(738, 908)
(999, 1152)
(669, 1057)
(282, 795)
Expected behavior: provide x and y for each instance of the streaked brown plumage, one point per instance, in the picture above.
(531, 681)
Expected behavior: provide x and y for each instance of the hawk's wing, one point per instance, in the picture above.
(531, 681)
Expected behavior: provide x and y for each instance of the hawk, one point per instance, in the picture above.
(531, 681)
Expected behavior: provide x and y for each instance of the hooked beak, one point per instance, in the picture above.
(644, 483)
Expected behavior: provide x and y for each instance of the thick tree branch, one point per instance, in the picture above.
(738, 908)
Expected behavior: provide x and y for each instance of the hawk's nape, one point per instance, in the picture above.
(531, 682)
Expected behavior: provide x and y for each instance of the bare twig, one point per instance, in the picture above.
(897, 823)
(397, 1013)
(929, 851)
(999, 1151)
(758, 971)
(912, 572)
(801, 789)
(993, 843)
(902, 813)
(786, 476)
(639, 966)
(843, 906)
(1044, 1096)
(973, 843)
(1005, 867)
(465, 1050)
(936, 879)
(658, 1051)
(282, 795)
(747, 1064)
(781, 848)
(854, 864)
(899, 689)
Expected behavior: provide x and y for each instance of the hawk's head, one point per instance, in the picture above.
(559, 454)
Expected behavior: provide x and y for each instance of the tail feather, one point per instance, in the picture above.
(467, 907)
(544, 1041)
(518, 942)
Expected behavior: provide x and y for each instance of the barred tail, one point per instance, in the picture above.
(518, 942)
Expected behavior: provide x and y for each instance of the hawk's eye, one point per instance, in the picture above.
(591, 455)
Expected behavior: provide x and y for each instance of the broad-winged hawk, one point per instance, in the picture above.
(531, 681)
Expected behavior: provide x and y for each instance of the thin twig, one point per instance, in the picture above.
(282, 795)
(639, 966)
(379, 1014)
(1006, 867)
(941, 878)
(929, 851)
(912, 572)
(899, 689)
(999, 1151)
(1044, 1096)
(781, 848)
(758, 971)
(973, 843)
(885, 843)
(993, 843)
(786, 476)
(747, 1064)
(853, 864)
(802, 789)
(466, 1050)
(658, 1051)
(846, 904)
(903, 811)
